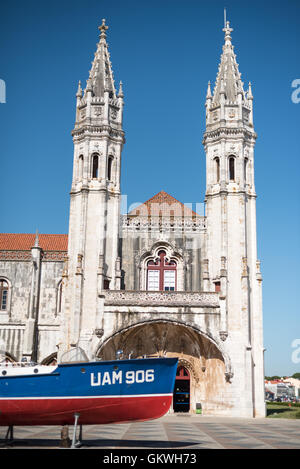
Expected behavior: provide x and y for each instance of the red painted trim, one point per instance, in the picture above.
(92, 411)
(180, 373)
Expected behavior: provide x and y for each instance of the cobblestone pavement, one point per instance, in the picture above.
(170, 432)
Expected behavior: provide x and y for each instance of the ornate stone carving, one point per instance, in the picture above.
(113, 113)
(147, 298)
(177, 225)
(228, 376)
(223, 335)
(97, 111)
(99, 333)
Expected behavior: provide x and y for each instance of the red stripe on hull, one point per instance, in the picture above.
(92, 411)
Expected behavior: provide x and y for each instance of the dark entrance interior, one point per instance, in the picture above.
(181, 395)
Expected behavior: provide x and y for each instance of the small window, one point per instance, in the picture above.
(172, 217)
(59, 297)
(160, 217)
(153, 280)
(109, 168)
(169, 280)
(3, 295)
(245, 169)
(80, 167)
(231, 168)
(106, 284)
(95, 166)
(217, 169)
(217, 286)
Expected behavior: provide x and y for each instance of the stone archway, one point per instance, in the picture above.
(196, 352)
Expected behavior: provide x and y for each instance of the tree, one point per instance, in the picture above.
(296, 375)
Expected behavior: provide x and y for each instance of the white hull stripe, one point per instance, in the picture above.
(82, 397)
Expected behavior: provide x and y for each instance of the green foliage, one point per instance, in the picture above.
(284, 404)
(271, 378)
(282, 410)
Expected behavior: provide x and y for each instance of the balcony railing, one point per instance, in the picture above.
(161, 298)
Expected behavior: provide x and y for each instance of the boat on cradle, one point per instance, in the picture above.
(96, 392)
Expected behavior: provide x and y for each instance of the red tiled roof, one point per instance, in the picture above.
(164, 204)
(25, 241)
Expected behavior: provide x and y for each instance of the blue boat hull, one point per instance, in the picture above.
(101, 392)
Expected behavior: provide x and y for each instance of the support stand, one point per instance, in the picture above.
(9, 434)
(78, 443)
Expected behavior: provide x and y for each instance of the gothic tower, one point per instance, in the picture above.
(231, 253)
(93, 261)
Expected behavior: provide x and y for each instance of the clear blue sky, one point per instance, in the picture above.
(164, 52)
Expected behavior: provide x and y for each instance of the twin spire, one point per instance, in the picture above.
(228, 82)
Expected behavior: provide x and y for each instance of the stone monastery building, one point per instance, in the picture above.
(161, 280)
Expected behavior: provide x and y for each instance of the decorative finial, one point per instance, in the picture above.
(36, 242)
(249, 94)
(89, 86)
(227, 30)
(208, 94)
(79, 91)
(103, 28)
(120, 94)
(222, 87)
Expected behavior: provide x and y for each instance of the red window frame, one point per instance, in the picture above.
(162, 265)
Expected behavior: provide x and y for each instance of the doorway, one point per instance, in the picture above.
(181, 395)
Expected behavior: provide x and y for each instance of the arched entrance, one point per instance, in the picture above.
(182, 390)
(203, 378)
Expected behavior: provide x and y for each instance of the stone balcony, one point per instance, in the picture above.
(162, 299)
(202, 311)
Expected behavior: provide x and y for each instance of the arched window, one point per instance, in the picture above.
(161, 274)
(3, 295)
(217, 169)
(80, 167)
(182, 373)
(245, 169)
(59, 298)
(109, 167)
(231, 168)
(95, 166)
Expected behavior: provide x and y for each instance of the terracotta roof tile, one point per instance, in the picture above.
(25, 241)
(164, 204)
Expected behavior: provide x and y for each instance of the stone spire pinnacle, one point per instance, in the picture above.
(36, 241)
(208, 94)
(249, 94)
(79, 90)
(120, 94)
(101, 74)
(228, 80)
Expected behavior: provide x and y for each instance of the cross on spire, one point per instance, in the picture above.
(103, 28)
(227, 30)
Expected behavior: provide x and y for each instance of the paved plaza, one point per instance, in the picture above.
(170, 432)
